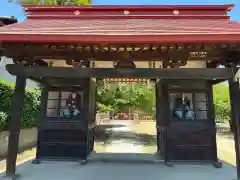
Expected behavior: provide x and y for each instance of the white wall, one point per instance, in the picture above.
(27, 139)
(8, 77)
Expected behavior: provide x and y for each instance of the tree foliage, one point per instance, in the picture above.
(29, 1)
(30, 111)
(58, 2)
(141, 97)
(222, 102)
(118, 98)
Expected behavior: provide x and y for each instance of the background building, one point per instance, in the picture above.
(3, 60)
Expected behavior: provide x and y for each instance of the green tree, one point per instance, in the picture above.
(30, 110)
(136, 96)
(29, 1)
(57, 2)
(66, 2)
(222, 102)
(141, 97)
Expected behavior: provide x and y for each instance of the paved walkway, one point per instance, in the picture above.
(158, 171)
(125, 138)
(226, 149)
(120, 171)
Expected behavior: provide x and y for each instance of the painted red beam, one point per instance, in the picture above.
(131, 11)
(206, 17)
(111, 39)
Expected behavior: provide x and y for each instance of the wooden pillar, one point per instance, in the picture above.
(235, 118)
(166, 121)
(14, 129)
(157, 118)
(211, 117)
(163, 120)
(44, 97)
(165, 116)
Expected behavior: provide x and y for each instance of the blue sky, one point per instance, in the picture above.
(15, 9)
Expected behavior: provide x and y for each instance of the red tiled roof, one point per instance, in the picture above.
(122, 30)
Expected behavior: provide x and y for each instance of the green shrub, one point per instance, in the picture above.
(222, 102)
(3, 120)
(30, 110)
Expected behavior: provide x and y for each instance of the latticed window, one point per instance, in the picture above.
(64, 104)
(188, 106)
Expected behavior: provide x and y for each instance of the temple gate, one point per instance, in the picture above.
(59, 47)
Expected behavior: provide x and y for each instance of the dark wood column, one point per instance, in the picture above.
(212, 119)
(165, 120)
(162, 117)
(157, 119)
(235, 117)
(14, 129)
(44, 97)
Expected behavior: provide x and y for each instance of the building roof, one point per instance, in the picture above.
(5, 20)
(124, 24)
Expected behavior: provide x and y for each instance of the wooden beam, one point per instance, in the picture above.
(163, 73)
(14, 129)
(39, 80)
(64, 81)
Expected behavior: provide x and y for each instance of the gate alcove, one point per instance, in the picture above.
(189, 134)
(67, 121)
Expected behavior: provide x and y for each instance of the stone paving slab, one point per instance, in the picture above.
(125, 158)
(120, 171)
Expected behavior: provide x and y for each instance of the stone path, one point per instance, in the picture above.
(120, 171)
(226, 149)
(124, 138)
(94, 170)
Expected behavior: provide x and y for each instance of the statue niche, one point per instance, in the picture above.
(73, 105)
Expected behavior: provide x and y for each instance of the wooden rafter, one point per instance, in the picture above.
(117, 52)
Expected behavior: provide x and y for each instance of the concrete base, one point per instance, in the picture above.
(128, 158)
(83, 162)
(36, 161)
(14, 177)
(169, 164)
(132, 171)
(217, 164)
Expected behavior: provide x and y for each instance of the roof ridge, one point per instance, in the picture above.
(189, 17)
(226, 7)
(123, 11)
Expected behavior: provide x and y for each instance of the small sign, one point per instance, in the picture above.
(201, 54)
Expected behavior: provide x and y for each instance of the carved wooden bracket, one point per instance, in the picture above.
(124, 64)
(176, 63)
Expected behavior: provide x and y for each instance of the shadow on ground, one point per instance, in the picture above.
(224, 132)
(106, 134)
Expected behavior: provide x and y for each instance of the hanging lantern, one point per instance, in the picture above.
(126, 80)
